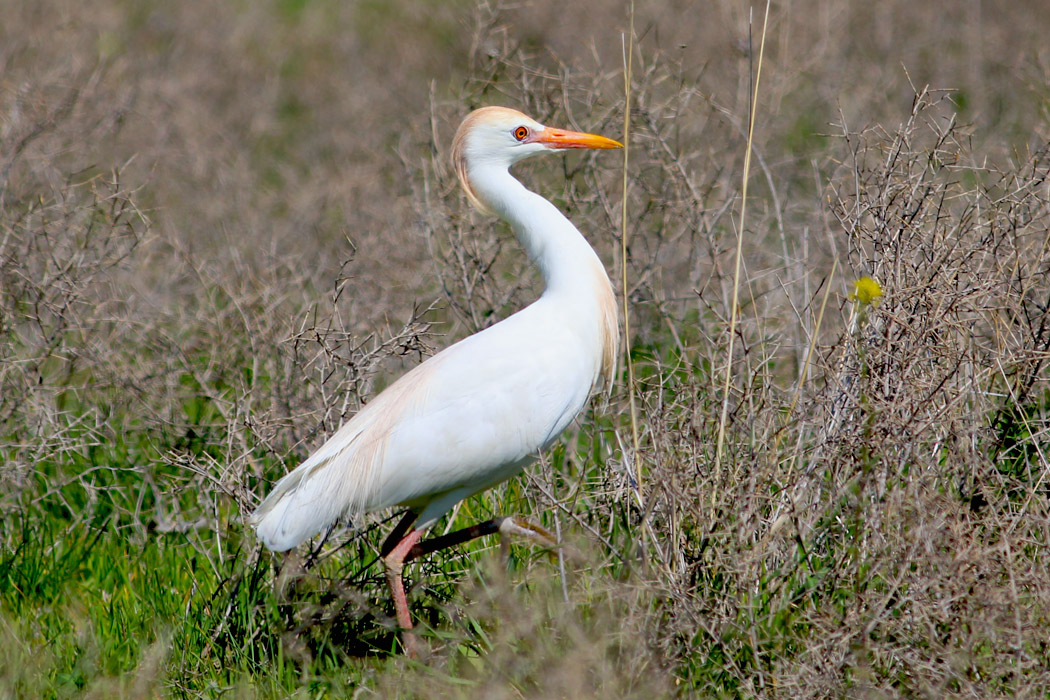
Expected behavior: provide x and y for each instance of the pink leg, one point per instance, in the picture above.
(403, 545)
(394, 562)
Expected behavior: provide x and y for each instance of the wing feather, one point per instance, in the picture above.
(341, 480)
(465, 419)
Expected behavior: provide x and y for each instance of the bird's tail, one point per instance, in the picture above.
(294, 511)
(338, 482)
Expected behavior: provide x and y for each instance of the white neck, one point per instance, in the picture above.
(576, 281)
(564, 257)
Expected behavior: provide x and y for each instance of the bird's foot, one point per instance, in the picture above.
(517, 526)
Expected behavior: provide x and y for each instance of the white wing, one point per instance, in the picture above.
(466, 419)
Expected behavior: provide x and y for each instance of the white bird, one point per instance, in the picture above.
(476, 413)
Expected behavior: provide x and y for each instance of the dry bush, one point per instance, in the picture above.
(178, 325)
(896, 520)
(536, 644)
(64, 239)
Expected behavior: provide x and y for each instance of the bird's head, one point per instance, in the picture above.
(500, 137)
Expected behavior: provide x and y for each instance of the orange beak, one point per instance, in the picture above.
(559, 138)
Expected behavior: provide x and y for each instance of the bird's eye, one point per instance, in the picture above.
(521, 133)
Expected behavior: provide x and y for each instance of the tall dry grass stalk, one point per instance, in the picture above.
(751, 112)
(628, 63)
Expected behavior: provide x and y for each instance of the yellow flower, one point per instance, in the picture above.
(866, 290)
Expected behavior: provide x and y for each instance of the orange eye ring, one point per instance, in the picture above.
(521, 133)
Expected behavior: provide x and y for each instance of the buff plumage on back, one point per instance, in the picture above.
(609, 328)
(341, 481)
(301, 504)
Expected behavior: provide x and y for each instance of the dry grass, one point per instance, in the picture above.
(223, 228)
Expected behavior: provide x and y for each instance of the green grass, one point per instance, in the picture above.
(91, 604)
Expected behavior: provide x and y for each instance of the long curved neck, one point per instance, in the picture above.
(574, 275)
(562, 254)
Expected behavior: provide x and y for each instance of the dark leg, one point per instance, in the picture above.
(506, 526)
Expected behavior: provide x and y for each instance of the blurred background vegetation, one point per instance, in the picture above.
(223, 226)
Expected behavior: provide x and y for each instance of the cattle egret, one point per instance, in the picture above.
(476, 413)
